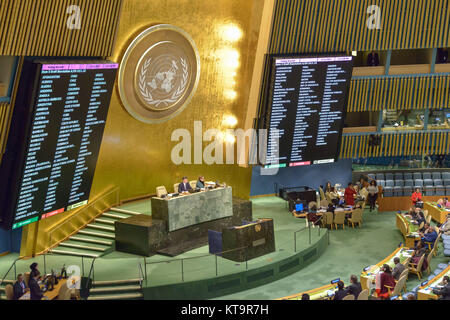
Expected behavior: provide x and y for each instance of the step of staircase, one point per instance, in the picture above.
(97, 234)
(96, 241)
(75, 253)
(123, 296)
(115, 282)
(114, 216)
(100, 227)
(80, 246)
(114, 289)
(105, 221)
(131, 213)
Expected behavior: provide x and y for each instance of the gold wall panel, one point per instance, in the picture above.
(396, 144)
(39, 27)
(4, 124)
(340, 25)
(136, 157)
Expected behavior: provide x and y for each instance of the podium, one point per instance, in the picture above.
(248, 241)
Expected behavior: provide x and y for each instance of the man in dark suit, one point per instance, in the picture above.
(445, 291)
(184, 186)
(19, 287)
(35, 289)
(340, 293)
(372, 59)
(355, 287)
(398, 269)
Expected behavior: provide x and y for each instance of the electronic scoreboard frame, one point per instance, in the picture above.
(266, 102)
(82, 143)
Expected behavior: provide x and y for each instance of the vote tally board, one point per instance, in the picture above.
(55, 137)
(307, 107)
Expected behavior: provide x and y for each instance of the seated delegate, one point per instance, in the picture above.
(355, 287)
(184, 186)
(444, 292)
(20, 288)
(398, 269)
(387, 282)
(340, 293)
(429, 235)
(200, 182)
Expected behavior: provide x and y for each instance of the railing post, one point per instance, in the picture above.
(309, 231)
(82, 265)
(246, 265)
(216, 264)
(295, 241)
(145, 270)
(45, 264)
(182, 270)
(15, 270)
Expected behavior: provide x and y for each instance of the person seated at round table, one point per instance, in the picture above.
(443, 203)
(184, 186)
(419, 218)
(305, 296)
(428, 235)
(416, 196)
(200, 182)
(419, 251)
(350, 195)
(387, 282)
(340, 293)
(312, 215)
(333, 195)
(444, 292)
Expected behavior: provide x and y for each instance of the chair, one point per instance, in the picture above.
(193, 184)
(389, 176)
(408, 187)
(356, 218)
(436, 175)
(64, 293)
(428, 219)
(421, 225)
(363, 295)
(445, 175)
(426, 175)
(417, 268)
(408, 176)
(398, 188)
(339, 218)
(398, 176)
(161, 190)
(404, 274)
(389, 188)
(327, 219)
(439, 187)
(372, 176)
(381, 183)
(428, 187)
(397, 290)
(418, 183)
(349, 297)
(324, 203)
(312, 204)
(380, 176)
(430, 256)
(175, 187)
(26, 278)
(417, 175)
(435, 244)
(322, 194)
(9, 291)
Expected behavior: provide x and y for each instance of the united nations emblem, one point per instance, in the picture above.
(258, 228)
(159, 73)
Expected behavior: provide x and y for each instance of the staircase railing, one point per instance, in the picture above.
(79, 215)
(13, 265)
(91, 273)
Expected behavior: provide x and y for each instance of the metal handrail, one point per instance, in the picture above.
(141, 274)
(91, 271)
(77, 214)
(7, 272)
(201, 256)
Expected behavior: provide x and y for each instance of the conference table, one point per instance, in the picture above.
(348, 212)
(48, 295)
(368, 276)
(437, 214)
(193, 208)
(323, 293)
(426, 291)
(409, 230)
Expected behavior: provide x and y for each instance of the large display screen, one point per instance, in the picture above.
(55, 138)
(307, 103)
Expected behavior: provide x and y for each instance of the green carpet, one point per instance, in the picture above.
(350, 250)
